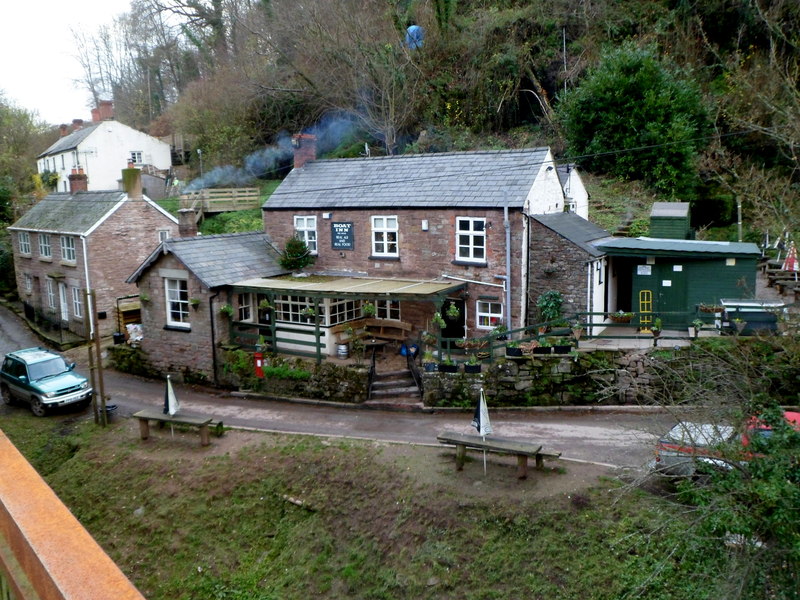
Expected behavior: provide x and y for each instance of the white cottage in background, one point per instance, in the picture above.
(101, 148)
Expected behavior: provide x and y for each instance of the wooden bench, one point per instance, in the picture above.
(522, 450)
(202, 422)
(388, 329)
(350, 330)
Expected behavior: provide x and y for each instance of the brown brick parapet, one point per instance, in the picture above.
(45, 553)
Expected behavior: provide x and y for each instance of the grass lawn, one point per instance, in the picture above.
(276, 516)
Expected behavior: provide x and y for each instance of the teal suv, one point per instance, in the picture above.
(43, 379)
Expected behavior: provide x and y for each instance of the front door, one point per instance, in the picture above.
(62, 301)
(454, 323)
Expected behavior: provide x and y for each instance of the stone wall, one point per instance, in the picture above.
(596, 378)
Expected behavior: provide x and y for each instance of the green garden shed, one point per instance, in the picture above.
(671, 220)
(671, 278)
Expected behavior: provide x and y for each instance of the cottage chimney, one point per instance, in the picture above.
(187, 223)
(305, 148)
(78, 181)
(77, 124)
(96, 115)
(63, 129)
(105, 110)
(132, 182)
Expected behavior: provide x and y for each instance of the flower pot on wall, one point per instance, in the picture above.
(468, 368)
(446, 368)
(513, 351)
(562, 348)
(542, 350)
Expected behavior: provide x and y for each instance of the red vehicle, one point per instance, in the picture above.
(687, 445)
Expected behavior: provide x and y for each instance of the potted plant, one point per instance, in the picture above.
(577, 330)
(368, 309)
(549, 305)
(500, 332)
(428, 361)
(739, 324)
(694, 330)
(657, 327)
(561, 348)
(144, 297)
(194, 303)
(710, 308)
(227, 310)
(544, 347)
(453, 312)
(473, 365)
(448, 366)
(513, 349)
(308, 313)
(439, 320)
(620, 317)
(264, 305)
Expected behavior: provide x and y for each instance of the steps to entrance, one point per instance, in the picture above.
(394, 390)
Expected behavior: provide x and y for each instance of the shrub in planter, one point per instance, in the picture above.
(448, 366)
(513, 349)
(473, 365)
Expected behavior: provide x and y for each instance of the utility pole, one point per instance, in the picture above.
(200, 155)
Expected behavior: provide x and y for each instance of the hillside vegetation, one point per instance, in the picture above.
(699, 101)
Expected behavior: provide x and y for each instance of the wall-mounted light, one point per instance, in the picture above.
(326, 215)
(424, 224)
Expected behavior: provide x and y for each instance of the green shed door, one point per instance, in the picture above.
(672, 294)
(660, 289)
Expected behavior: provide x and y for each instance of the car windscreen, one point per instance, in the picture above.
(53, 366)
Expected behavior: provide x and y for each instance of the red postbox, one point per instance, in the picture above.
(258, 358)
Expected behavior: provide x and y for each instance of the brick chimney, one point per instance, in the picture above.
(77, 124)
(305, 148)
(63, 129)
(187, 224)
(78, 181)
(95, 115)
(105, 109)
(132, 182)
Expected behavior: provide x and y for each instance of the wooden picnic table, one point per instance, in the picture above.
(522, 450)
(202, 422)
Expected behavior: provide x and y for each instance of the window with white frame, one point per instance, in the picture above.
(177, 293)
(488, 314)
(384, 236)
(471, 239)
(24, 242)
(306, 228)
(77, 303)
(50, 289)
(163, 235)
(295, 309)
(342, 310)
(45, 251)
(28, 283)
(136, 157)
(67, 248)
(387, 309)
(245, 307)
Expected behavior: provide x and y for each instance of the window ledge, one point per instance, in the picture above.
(45, 259)
(176, 328)
(468, 263)
(68, 263)
(386, 258)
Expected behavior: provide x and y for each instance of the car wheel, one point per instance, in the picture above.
(37, 407)
(8, 400)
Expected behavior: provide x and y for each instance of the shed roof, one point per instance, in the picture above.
(218, 260)
(70, 213)
(576, 229)
(71, 141)
(481, 179)
(644, 246)
(670, 209)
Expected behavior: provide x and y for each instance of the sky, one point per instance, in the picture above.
(38, 68)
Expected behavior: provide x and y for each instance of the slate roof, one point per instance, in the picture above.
(71, 141)
(218, 260)
(669, 247)
(449, 179)
(69, 213)
(576, 229)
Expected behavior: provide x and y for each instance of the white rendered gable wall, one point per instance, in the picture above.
(545, 196)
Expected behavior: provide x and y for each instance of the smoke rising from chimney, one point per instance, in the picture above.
(331, 131)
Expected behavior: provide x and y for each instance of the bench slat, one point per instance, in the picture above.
(490, 443)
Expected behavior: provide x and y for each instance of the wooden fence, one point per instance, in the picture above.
(218, 200)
